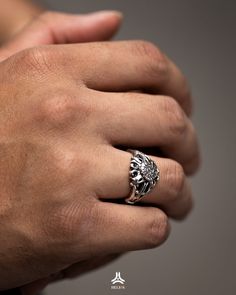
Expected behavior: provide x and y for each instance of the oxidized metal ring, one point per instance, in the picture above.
(144, 175)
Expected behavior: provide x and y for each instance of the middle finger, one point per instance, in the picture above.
(139, 120)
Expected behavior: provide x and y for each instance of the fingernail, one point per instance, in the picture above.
(99, 15)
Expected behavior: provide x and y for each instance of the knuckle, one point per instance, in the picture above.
(68, 220)
(146, 48)
(175, 179)
(65, 223)
(62, 108)
(65, 162)
(175, 117)
(58, 110)
(35, 59)
(59, 229)
(156, 60)
(68, 167)
(159, 228)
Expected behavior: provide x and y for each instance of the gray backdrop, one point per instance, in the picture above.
(199, 258)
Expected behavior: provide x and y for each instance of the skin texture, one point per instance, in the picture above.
(49, 28)
(14, 15)
(65, 112)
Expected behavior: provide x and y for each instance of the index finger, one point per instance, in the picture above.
(128, 66)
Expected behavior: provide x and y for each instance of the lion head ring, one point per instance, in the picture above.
(144, 175)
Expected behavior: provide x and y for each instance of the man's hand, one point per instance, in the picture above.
(64, 111)
(51, 28)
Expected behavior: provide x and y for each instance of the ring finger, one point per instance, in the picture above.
(172, 193)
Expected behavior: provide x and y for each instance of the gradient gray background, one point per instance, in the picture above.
(199, 257)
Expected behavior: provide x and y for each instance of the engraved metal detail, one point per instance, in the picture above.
(144, 175)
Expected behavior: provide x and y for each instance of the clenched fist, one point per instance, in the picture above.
(68, 114)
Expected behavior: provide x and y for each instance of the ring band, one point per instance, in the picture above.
(144, 175)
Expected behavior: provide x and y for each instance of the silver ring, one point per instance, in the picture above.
(144, 175)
